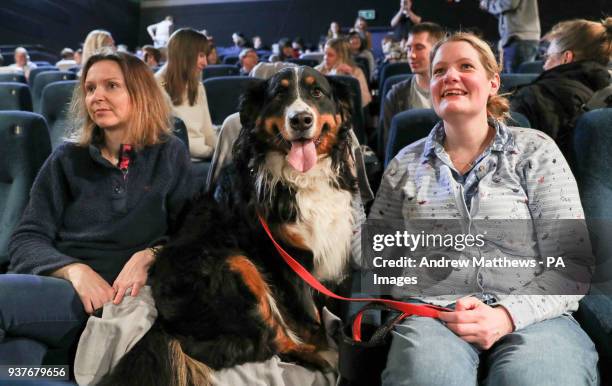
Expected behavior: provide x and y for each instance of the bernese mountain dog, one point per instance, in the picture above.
(223, 293)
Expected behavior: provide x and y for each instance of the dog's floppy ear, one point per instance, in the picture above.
(251, 102)
(343, 97)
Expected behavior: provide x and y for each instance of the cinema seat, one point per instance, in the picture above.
(385, 88)
(223, 94)
(24, 146)
(44, 78)
(533, 67)
(304, 62)
(216, 70)
(13, 77)
(407, 127)
(411, 125)
(54, 107)
(230, 59)
(509, 82)
(15, 96)
(35, 71)
(358, 117)
(391, 69)
(591, 166)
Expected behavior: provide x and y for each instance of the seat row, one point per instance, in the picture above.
(18, 95)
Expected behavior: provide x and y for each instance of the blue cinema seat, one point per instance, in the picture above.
(305, 62)
(384, 90)
(13, 77)
(509, 82)
(216, 70)
(533, 67)
(35, 71)
(54, 106)
(358, 116)
(591, 166)
(411, 125)
(223, 94)
(391, 69)
(24, 146)
(44, 78)
(15, 96)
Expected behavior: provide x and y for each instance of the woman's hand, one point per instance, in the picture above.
(134, 274)
(93, 290)
(478, 323)
(344, 69)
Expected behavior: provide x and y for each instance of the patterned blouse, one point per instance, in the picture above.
(522, 175)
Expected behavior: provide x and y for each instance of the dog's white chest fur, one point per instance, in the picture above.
(325, 218)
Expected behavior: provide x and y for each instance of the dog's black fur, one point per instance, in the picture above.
(214, 279)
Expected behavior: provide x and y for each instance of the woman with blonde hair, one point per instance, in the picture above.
(507, 326)
(575, 72)
(337, 60)
(94, 41)
(98, 209)
(181, 79)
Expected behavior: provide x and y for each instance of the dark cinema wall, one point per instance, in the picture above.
(59, 23)
(310, 18)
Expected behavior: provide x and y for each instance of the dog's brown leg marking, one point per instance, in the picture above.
(256, 283)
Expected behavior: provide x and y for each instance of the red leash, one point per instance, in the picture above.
(406, 309)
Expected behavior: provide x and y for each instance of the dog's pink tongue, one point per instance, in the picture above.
(303, 155)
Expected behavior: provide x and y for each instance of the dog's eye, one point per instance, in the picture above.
(316, 93)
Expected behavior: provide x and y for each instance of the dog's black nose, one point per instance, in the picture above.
(301, 121)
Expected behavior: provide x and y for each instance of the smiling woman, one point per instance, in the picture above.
(473, 167)
(83, 231)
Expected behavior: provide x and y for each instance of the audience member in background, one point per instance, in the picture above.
(22, 62)
(404, 19)
(98, 207)
(473, 167)
(258, 43)
(160, 32)
(334, 30)
(209, 37)
(181, 79)
(392, 51)
(361, 26)
(285, 51)
(357, 47)
(78, 56)
(414, 92)
(519, 30)
(248, 59)
(1, 60)
(67, 60)
(213, 56)
(151, 56)
(575, 69)
(95, 40)
(338, 61)
(123, 48)
(298, 46)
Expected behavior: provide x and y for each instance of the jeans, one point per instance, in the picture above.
(38, 314)
(517, 52)
(554, 352)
